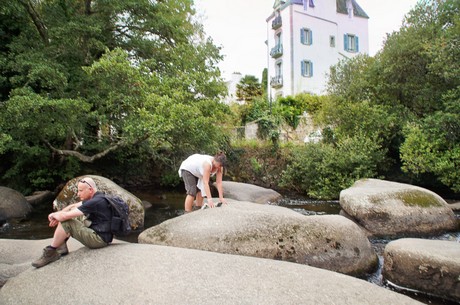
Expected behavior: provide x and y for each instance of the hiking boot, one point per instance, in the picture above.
(62, 249)
(49, 255)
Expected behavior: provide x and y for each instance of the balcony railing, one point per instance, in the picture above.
(277, 51)
(276, 81)
(277, 23)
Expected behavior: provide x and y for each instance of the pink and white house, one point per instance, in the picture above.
(306, 37)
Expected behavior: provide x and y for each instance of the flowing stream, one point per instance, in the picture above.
(167, 205)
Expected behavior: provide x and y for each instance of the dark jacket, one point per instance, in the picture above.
(99, 212)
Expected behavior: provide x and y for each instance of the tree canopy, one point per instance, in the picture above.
(82, 79)
(406, 96)
(249, 88)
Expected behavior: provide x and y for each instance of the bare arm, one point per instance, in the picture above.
(64, 215)
(72, 206)
(220, 189)
(206, 176)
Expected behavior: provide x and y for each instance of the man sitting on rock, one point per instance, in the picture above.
(97, 234)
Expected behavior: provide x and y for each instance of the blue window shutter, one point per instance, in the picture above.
(302, 67)
(310, 38)
(302, 36)
(311, 3)
(311, 68)
(357, 44)
(345, 42)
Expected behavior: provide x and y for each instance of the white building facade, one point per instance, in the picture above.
(231, 97)
(306, 37)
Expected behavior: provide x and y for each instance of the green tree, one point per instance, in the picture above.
(290, 109)
(126, 71)
(323, 170)
(405, 65)
(248, 88)
(433, 145)
(264, 83)
(405, 96)
(352, 79)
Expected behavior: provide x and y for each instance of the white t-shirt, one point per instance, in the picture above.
(195, 165)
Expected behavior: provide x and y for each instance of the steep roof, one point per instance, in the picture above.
(340, 4)
(357, 10)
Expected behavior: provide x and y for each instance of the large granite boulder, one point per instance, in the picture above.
(16, 255)
(249, 192)
(455, 206)
(68, 195)
(40, 198)
(430, 266)
(387, 208)
(12, 204)
(148, 274)
(330, 242)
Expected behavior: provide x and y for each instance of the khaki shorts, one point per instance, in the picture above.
(190, 183)
(85, 235)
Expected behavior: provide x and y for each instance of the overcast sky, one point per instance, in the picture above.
(239, 27)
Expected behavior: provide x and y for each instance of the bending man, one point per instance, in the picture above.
(196, 171)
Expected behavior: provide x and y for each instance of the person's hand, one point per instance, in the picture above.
(210, 203)
(223, 201)
(53, 221)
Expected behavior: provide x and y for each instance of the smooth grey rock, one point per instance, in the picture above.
(387, 208)
(13, 204)
(148, 274)
(249, 192)
(68, 195)
(430, 266)
(17, 255)
(40, 197)
(331, 242)
(455, 206)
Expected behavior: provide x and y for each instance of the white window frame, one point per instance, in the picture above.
(306, 68)
(332, 41)
(351, 43)
(306, 36)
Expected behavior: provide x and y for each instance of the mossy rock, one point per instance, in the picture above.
(386, 208)
(68, 195)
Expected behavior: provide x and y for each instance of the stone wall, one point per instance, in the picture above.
(305, 132)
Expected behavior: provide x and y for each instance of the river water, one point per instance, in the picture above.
(167, 205)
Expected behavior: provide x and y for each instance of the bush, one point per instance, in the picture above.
(323, 170)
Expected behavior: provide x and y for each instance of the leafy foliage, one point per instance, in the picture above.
(81, 80)
(433, 145)
(289, 109)
(248, 88)
(323, 170)
(404, 97)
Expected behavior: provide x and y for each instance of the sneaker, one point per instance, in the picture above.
(62, 249)
(49, 255)
(205, 206)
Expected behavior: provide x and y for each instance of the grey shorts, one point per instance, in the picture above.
(190, 182)
(83, 234)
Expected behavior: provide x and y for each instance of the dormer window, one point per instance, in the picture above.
(350, 8)
(309, 3)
